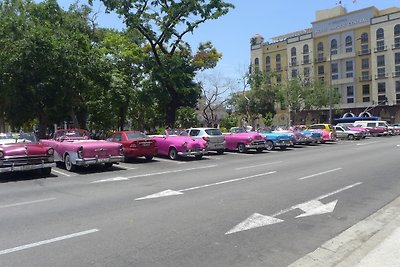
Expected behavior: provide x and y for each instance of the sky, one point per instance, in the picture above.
(231, 33)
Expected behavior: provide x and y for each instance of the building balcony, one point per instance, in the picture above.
(381, 76)
(342, 81)
(380, 48)
(365, 78)
(396, 74)
(320, 60)
(364, 52)
(395, 46)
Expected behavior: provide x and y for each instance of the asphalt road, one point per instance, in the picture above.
(266, 209)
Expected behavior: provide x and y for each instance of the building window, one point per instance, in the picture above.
(335, 71)
(397, 58)
(397, 92)
(380, 43)
(306, 56)
(365, 89)
(321, 70)
(267, 64)
(381, 88)
(349, 44)
(278, 62)
(364, 38)
(320, 52)
(267, 60)
(381, 66)
(396, 36)
(294, 73)
(306, 72)
(382, 99)
(293, 56)
(365, 99)
(365, 63)
(365, 76)
(256, 61)
(396, 65)
(349, 69)
(350, 94)
(334, 47)
(279, 78)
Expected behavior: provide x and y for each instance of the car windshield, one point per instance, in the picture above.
(72, 134)
(213, 132)
(19, 137)
(136, 135)
(346, 128)
(238, 130)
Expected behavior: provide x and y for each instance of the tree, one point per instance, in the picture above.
(46, 62)
(186, 117)
(164, 24)
(213, 97)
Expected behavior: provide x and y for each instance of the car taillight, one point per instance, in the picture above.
(1, 154)
(121, 150)
(50, 151)
(80, 152)
(205, 138)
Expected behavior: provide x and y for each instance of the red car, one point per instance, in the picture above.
(135, 144)
(22, 152)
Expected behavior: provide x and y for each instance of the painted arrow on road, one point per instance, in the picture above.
(169, 192)
(310, 208)
(316, 207)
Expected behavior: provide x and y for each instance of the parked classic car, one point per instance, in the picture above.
(344, 132)
(297, 137)
(327, 131)
(175, 143)
(213, 136)
(23, 152)
(241, 140)
(355, 128)
(375, 128)
(74, 148)
(281, 140)
(135, 144)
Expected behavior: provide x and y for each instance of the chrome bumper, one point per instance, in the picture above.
(26, 167)
(94, 161)
(192, 153)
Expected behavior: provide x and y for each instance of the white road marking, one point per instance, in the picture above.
(316, 207)
(238, 154)
(26, 203)
(126, 167)
(170, 161)
(154, 173)
(254, 221)
(254, 166)
(112, 179)
(170, 192)
(60, 172)
(317, 174)
(48, 241)
(364, 144)
(311, 207)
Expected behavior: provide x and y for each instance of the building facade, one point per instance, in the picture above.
(355, 53)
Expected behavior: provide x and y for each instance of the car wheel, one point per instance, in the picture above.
(198, 156)
(173, 154)
(270, 146)
(46, 171)
(322, 141)
(350, 137)
(260, 149)
(68, 163)
(149, 158)
(220, 152)
(242, 148)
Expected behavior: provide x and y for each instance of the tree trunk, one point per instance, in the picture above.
(171, 108)
(42, 125)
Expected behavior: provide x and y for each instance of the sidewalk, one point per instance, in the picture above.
(374, 241)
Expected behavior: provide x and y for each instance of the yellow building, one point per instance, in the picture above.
(355, 53)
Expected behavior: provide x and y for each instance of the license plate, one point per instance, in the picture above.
(102, 160)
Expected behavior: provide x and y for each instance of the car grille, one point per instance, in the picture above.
(258, 142)
(26, 161)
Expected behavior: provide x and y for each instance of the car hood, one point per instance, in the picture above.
(24, 149)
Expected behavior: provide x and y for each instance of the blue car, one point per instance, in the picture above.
(281, 140)
(312, 137)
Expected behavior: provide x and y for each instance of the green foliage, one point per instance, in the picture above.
(268, 119)
(229, 122)
(186, 117)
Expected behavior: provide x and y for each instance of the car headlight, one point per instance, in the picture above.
(185, 144)
(80, 152)
(1, 154)
(50, 151)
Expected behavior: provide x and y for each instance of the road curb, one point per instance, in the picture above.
(349, 247)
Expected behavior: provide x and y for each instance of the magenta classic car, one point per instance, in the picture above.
(177, 143)
(22, 152)
(242, 140)
(74, 148)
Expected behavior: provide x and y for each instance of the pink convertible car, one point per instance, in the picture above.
(241, 140)
(177, 143)
(74, 148)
